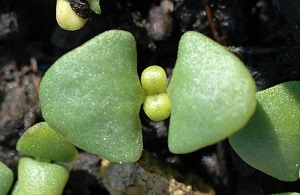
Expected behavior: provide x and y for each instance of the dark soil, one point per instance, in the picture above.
(263, 33)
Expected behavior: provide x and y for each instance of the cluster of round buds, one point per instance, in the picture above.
(157, 105)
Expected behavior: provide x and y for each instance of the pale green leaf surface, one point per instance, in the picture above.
(43, 142)
(154, 80)
(212, 94)
(6, 178)
(95, 6)
(92, 95)
(41, 178)
(16, 189)
(270, 141)
(157, 107)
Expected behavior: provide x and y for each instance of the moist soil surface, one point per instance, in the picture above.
(262, 33)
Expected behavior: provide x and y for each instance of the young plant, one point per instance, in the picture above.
(92, 96)
(40, 176)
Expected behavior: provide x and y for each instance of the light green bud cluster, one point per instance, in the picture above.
(157, 105)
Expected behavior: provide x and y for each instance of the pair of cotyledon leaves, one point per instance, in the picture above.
(92, 95)
(39, 176)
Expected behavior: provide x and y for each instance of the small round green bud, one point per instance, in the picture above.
(154, 80)
(157, 107)
(67, 18)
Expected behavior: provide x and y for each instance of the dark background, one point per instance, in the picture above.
(263, 33)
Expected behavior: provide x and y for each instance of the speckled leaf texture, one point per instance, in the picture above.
(212, 94)
(41, 178)
(92, 95)
(43, 142)
(270, 142)
(6, 178)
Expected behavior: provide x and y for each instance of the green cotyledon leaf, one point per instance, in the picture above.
(270, 141)
(212, 94)
(41, 178)
(95, 6)
(6, 178)
(92, 95)
(43, 142)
